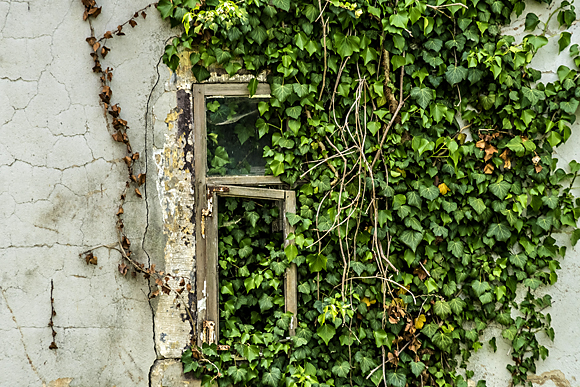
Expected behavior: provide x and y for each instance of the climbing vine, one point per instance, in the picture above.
(420, 144)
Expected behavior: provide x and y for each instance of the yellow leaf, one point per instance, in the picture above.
(443, 189)
(420, 321)
(368, 302)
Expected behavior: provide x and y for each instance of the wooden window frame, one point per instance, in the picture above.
(207, 190)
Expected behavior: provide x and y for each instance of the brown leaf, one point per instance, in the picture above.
(505, 157)
(136, 14)
(144, 15)
(133, 178)
(136, 156)
(154, 294)
(138, 192)
(117, 136)
(132, 23)
(480, 144)
(188, 287)
(166, 289)
(91, 40)
(108, 35)
(141, 179)
(420, 273)
(123, 268)
(53, 346)
(182, 282)
(126, 242)
(538, 168)
(490, 150)
(488, 169)
(96, 46)
(127, 160)
(120, 211)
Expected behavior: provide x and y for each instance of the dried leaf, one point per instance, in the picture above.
(118, 136)
(53, 346)
(138, 192)
(105, 51)
(144, 15)
(136, 14)
(108, 35)
(154, 294)
(443, 189)
(480, 144)
(489, 168)
(120, 211)
(91, 41)
(490, 150)
(132, 23)
(141, 179)
(538, 168)
(420, 321)
(127, 160)
(96, 46)
(136, 156)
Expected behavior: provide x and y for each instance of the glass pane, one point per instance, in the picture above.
(234, 145)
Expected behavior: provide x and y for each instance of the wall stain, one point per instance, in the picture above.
(555, 376)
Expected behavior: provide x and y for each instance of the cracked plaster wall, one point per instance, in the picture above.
(61, 175)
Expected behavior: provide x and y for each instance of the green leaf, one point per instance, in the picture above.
(430, 329)
(282, 4)
(455, 247)
(417, 368)
(238, 374)
(563, 41)
(252, 217)
(252, 87)
(258, 34)
(341, 370)
(316, 262)
(480, 287)
(383, 338)
(519, 260)
(500, 189)
(346, 45)
(537, 41)
(430, 193)
(455, 74)
(291, 252)
(413, 199)
(294, 112)
(399, 20)
(282, 92)
(575, 237)
(423, 96)
(510, 333)
(271, 377)
(373, 127)
(443, 340)
(477, 204)
(396, 379)
(165, 7)
(457, 305)
(200, 73)
(442, 309)
(570, 106)
(532, 282)
(532, 21)
(500, 231)
(265, 302)
(411, 238)
(222, 56)
(301, 40)
(326, 332)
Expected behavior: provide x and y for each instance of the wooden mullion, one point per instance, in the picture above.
(212, 273)
(253, 193)
(235, 89)
(291, 278)
(200, 204)
(243, 180)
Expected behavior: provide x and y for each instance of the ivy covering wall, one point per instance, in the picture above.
(420, 145)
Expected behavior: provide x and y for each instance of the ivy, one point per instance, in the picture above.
(410, 238)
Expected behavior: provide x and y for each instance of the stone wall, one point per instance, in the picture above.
(60, 178)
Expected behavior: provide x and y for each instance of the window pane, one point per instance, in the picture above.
(251, 268)
(234, 145)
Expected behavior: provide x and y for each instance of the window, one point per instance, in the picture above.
(228, 163)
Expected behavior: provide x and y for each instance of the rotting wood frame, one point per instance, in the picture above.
(207, 190)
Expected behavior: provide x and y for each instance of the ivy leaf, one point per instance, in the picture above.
(326, 332)
(259, 34)
(252, 87)
(341, 370)
(223, 56)
(430, 329)
(316, 262)
(417, 368)
(501, 231)
(564, 41)
(411, 238)
(294, 112)
(252, 217)
(282, 92)
(570, 106)
(265, 302)
(510, 333)
(165, 7)
(433, 44)
(486, 298)
(477, 204)
(399, 19)
(457, 305)
(480, 287)
(455, 247)
(238, 374)
(429, 193)
(291, 252)
(443, 341)
(545, 222)
(396, 379)
(532, 283)
(282, 4)
(455, 74)
(423, 96)
(413, 199)
(346, 45)
(272, 377)
(500, 189)
(532, 21)
(519, 260)
(366, 363)
(537, 41)
(442, 309)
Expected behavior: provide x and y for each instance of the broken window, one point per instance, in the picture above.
(229, 141)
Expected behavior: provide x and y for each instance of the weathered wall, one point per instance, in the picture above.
(60, 178)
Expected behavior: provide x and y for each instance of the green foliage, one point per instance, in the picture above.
(409, 238)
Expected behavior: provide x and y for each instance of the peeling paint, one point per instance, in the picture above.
(555, 376)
